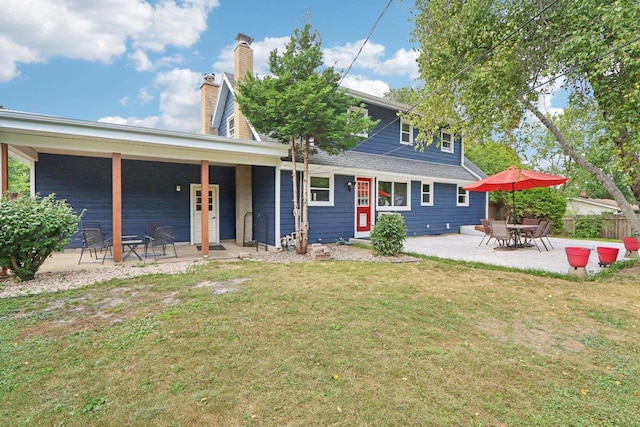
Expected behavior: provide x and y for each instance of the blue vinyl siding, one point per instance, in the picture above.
(385, 140)
(328, 223)
(263, 186)
(148, 193)
(226, 113)
(443, 211)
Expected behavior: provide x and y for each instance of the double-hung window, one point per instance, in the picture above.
(463, 197)
(393, 196)
(427, 194)
(406, 132)
(320, 190)
(446, 142)
(231, 131)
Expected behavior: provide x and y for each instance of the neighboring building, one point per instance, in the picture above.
(584, 205)
(124, 176)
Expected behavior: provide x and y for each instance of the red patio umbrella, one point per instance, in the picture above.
(515, 179)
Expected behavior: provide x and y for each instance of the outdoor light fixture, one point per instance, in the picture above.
(349, 185)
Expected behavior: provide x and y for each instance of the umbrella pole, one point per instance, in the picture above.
(513, 195)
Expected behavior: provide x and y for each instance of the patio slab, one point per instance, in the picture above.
(465, 247)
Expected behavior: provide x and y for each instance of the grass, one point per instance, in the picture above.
(333, 343)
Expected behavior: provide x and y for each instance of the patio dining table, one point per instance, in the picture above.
(519, 228)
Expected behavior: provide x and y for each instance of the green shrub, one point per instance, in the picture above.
(31, 229)
(387, 236)
(544, 203)
(588, 226)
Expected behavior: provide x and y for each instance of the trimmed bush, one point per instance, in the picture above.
(31, 229)
(388, 235)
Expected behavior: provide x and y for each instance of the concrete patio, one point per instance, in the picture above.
(465, 247)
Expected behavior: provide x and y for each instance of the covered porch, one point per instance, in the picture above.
(127, 174)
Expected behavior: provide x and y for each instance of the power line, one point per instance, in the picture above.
(468, 66)
(373, 28)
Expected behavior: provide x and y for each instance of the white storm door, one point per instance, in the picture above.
(196, 213)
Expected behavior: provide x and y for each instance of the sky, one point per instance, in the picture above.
(141, 62)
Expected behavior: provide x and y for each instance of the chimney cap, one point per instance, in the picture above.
(244, 39)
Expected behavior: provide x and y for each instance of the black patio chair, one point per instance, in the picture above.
(150, 234)
(93, 240)
(162, 237)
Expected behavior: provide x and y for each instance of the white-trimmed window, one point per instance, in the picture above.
(446, 142)
(321, 190)
(463, 197)
(365, 113)
(394, 196)
(231, 130)
(427, 194)
(406, 132)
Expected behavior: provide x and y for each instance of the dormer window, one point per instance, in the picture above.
(446, 142)
(406, 132)
(231, 131)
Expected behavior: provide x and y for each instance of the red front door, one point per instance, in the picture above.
(363, 205)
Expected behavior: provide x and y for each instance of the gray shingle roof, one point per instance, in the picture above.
(357, 160)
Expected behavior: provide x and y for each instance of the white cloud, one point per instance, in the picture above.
(141, 60)
(97, 30)
(147, 122)
(403, 62)
(371, 58)
(179, 103)
(145, 96)
(363, 84)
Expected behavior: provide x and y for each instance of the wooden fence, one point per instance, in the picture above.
(614, 226)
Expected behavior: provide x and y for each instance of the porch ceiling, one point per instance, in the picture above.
(30, 134)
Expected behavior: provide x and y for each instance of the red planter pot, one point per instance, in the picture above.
(607, 256)
(578, 257)
(631, 243)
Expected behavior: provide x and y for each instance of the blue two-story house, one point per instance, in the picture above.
(126, 176)
(384, 173)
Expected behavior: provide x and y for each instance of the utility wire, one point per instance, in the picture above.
(534, 87)
(373, 28)
(468, 66)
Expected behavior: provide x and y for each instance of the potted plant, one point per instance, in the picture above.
(631, 244)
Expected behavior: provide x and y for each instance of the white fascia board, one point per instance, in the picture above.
(47, 132)
(376, 100)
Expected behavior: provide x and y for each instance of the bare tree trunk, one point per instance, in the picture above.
(607, 182)
(305, 200)
(296, 206)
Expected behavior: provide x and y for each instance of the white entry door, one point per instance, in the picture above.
(196, 213)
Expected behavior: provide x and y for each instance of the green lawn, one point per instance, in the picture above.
(333, 343)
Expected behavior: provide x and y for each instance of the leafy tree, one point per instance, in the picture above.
(485, 64)
(18, 177)
(301, 105)
(583, 125)
(31, 229)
